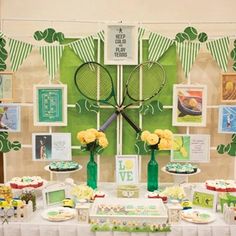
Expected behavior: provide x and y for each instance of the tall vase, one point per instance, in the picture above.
(92, 172)
(152, 173)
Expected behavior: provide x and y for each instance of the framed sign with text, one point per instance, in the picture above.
(126, 169)
(121, 44)
(50, 105)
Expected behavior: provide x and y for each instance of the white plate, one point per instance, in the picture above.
(198, 216)
(56, 214)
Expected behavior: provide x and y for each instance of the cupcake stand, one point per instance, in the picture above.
(60, 176)
(180, 178)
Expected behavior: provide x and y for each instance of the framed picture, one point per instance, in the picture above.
(9, 117)
(204, 198)
(51, 146)
(121, 44)
(191, 148)
(127, 169)
(50, 105)
(228, 87)
(6, 86)
(227, 119)
(54, 194)
(189, 105)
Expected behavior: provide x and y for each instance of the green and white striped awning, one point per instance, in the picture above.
(188, 52)
(51, 56)
(219, 49)
(84, 48)
(157, 46)
(19, 51)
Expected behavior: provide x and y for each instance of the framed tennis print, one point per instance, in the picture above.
(227, 119)
(6, 86)
(228, 87)
(127, 169)
(9, 117)
(121, 44)
(50, 105)
(191, 148)
(189, 105)
(51, 146)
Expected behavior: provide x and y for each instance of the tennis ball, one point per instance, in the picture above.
(227, 147)
(234, 66)
(6, 146)
(179, 37)
(3, 53)
(220, 148)
(232, 149)
(233, 138)
(38, 35)
(49, 35)
(2, 42)
(185, 36)
(3, 135)
(3, 66)
(16, 145)
(191, 32)
(60, 37)
(233, 54)
(202, 37)
(235, 43)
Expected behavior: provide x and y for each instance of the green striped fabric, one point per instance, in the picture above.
(188, 52)
(141, 32)
(157, 46)
(101, 35)
(219, 49)
(2, 35)
(19, 51)
(51, 56)
(84, 48)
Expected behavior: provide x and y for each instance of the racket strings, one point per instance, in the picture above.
(152, 81)
(94, 82)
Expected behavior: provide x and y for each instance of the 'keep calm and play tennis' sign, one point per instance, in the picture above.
(121, 45)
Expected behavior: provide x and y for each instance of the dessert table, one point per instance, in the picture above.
(37, 226)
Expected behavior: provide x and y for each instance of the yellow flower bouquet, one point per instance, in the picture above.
(93, 141)
(159, 139)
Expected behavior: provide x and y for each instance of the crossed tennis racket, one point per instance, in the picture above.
(95, 83)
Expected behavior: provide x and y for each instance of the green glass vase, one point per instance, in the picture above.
(152, 173)
(92, 172)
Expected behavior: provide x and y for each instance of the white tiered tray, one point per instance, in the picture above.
(180, 178)
(61, 175)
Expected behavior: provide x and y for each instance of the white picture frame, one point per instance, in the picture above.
(204, 198)
(51, 147)
(54, 194)
(127, 169)
(189, 105)
(191, 148)
(50, 105)
(227, 119)
(6, 86)
(121, 44)
(10, 117)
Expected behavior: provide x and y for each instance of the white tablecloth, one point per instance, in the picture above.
(37, 226)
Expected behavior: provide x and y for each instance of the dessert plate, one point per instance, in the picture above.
(58, 214)
(198, 216)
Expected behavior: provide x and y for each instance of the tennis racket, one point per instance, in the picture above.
(95, 83)
(153, 80)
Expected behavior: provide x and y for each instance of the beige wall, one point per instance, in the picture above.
(20, 19)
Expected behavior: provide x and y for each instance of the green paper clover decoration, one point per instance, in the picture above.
(49, 35)
(6, 145)
(191, 34)
(230, 148)
(3, 54)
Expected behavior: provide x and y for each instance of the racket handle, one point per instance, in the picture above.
(109, 121)
(134, 126)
